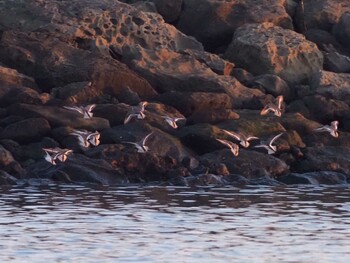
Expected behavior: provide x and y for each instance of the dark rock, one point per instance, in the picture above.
(337, 63)
(273, 84)
(73, 65)
(170, 10)
(9, 164)
(79, 168)
(212, 116)
(58, 116)
(205, 180)
(327, 158)
(254, 47)
(188, 103)
(323, 39)
(332, 85)
(321, 14)
(324, 109)
(297, 122)
(6, 179)
(161, 144)
(114, 113)
(341, 30)
(213, 23)
(32, 129)
(321, 177)
(247, 163)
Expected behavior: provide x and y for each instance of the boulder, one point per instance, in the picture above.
(78, 169)
(315, 178)
(320, 14)
(212, 116)
(325, 158)
(54, 63)
(250, 164)
(9, 164)
(272, 84)
(59, 116)
(190, 102)
(336, 62)
(268, 49)
(324, 109)
(214, 22)
(341, 29)
(332, 85)
(28, 130)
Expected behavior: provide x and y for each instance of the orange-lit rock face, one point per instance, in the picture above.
(213, 22)
(265, 48)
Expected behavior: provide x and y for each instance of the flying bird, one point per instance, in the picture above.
(86, 138)
(136, 111)
(141, 145)
(233, 147)
(172, 121)
(271, 149)
(51, 154)
(243, 139)
(274, 107)
(86, 111)
(332, 129)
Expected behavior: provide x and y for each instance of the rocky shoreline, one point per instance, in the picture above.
(214, 63)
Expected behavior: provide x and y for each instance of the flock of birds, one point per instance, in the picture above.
(87, 138)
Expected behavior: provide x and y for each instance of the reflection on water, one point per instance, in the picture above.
(72, 223)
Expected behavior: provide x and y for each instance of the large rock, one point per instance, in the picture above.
(332, 85)
(190, 102)
(214, 22)
(54, 63)
(325, 109)
(17, 88)
(28, 130)
(58, 116)
(78, 169)
(248, 163)
(327, 158)
(321, 14)
(9, 164)
(316, 178)
(342, 29)
(265, 48)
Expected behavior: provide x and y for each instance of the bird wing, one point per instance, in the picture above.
(90, 107)
(233, 134)
(334, 125)
(145, 139)
(227, 143)
(128, 117)
(249, 138)
(279, 101)
(74, 108)
(275, 138)
(266, 109)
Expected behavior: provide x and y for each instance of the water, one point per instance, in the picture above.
(74, 223)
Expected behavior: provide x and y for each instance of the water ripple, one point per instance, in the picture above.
(75, 223)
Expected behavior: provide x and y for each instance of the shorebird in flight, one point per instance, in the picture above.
(85, 111)
(233, 147)
(275, 107)
(243, 139)
(141, 145)
(86, 138)
(136, 111)
(332, 129)
(271, 149)
(172, 121)
(56, 153)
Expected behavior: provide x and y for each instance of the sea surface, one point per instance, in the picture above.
(77, 223)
